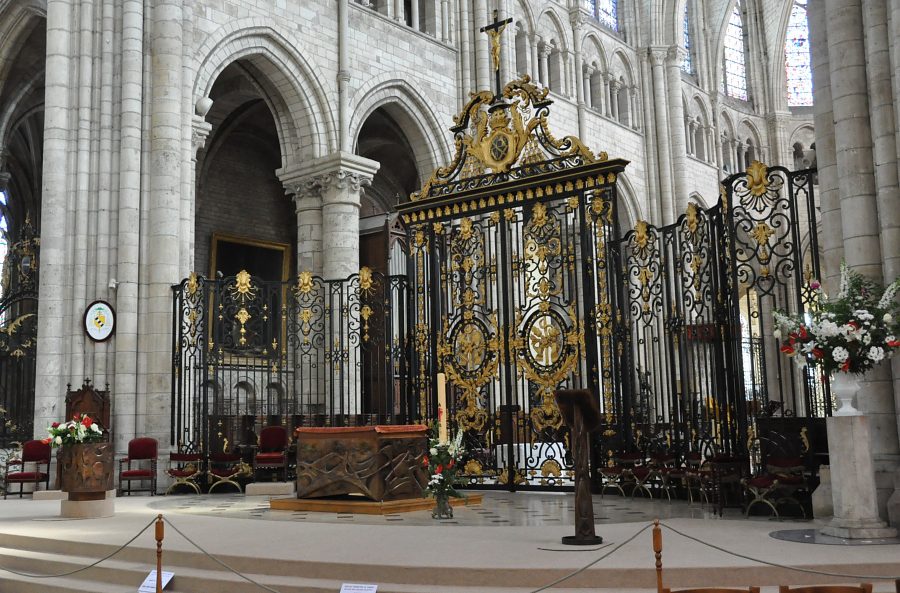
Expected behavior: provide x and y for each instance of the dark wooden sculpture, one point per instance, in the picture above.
(381, 463)
(582, 415)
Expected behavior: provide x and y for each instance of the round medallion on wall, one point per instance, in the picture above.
(99, 321)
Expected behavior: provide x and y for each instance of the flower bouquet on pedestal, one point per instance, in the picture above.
(845, 336)
(80, 429)
(442, 464)
(85, 460)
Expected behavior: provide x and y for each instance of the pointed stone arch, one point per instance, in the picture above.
(296, 96)
(411, 112)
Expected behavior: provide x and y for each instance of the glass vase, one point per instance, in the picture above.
(844, 387)
(442, 508)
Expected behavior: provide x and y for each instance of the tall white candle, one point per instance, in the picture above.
(442, 408)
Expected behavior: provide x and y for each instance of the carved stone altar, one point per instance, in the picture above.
(382, 463)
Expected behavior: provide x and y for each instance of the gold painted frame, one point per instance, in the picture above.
(283, 249)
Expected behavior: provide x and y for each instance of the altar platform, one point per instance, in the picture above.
(507, 544)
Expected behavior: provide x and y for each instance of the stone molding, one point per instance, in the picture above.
(200, 130)
(336, 173)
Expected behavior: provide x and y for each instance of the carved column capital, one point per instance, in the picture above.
(576, 18)
(657, 55)
(676, 55)
(200, 129)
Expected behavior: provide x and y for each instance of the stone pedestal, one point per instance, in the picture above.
(270, 488)
(853, 481)
(822, 504)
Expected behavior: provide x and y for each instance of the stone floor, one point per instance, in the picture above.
(499, 508)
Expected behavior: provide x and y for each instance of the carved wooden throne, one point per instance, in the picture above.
(90, 401)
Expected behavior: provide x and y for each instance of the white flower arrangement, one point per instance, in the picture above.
(850, 334)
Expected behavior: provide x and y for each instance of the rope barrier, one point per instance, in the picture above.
(590, 564)
(157, 520)
(217, 561)
(83, 568)
(777, 565)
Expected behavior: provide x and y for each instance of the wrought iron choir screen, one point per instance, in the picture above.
(307, 352)
(512, 290)
(697, 316)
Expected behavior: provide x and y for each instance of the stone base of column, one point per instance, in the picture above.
(893, 504)
(873, 529)
(822, 504)
(853, 481)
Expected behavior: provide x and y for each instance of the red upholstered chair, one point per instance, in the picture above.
(140, 465)
(184, 468)
(36, 452)
(270, 453)
(226, 468)
(777, 486)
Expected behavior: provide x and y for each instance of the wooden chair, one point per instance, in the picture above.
(863, 588)
(712, 590)
(142, 452)
(36, 452)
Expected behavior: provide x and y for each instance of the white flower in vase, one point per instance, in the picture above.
(876, 353)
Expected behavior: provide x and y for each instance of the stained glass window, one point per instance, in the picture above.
(590, 5)
(797, 58)
(688, 64)
(735, 76)
(607, 13)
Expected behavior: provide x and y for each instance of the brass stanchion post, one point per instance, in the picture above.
(160, 532)
(657, 551)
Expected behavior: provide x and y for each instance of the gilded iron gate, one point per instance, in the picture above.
(309, 352)
(18, 337)
(511, 288)
(697, 315)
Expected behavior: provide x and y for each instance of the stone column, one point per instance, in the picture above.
(832, 246)
(614, 86)
(676, 56)
(657, 61)
(534, 52)
(163, 230)
(52, 372)
(635, 106)
(689, 136)
(653, 194)
(586, 86)
(398, 11)
(483, 68)
(445, 21)
(606, 80)
(543, 55)
(414, 15)
(578, 78)
(859, 213)
(128, 241)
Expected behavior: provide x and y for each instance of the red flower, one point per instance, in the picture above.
(787, 350)
(803, 334)
(48, 439)
(894, 344)
(817, 352)
(86, 421)
(846, 366)
(449, 465)
(439, 469)
(854, 325)
(425, 461)
(54, 425)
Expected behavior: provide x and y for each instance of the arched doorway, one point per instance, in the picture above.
(382, 139)
(243, 219)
